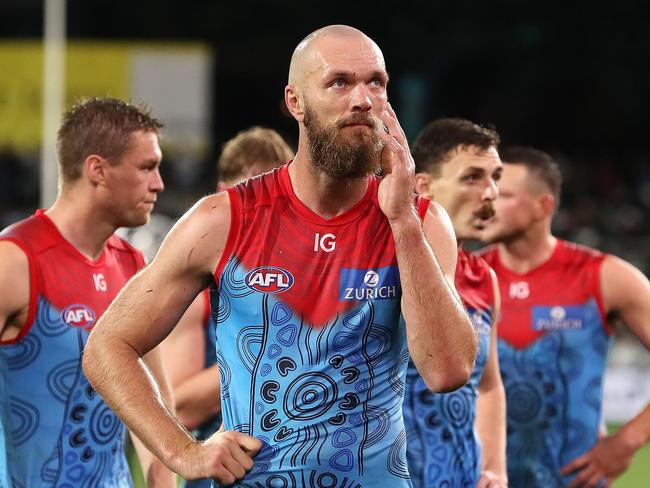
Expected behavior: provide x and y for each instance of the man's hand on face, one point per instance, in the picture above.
(396, 190)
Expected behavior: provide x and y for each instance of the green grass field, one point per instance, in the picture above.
(638, 476)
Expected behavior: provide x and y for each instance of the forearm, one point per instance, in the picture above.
(120, 376)
(491, 428)
(636, 432)
(155, 473)
(198, 398)
(440, 336)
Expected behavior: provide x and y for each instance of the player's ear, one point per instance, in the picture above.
(547, 204)
(95, 168)
(423, 184)
(294, 102)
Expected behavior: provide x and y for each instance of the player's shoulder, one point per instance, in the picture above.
(207, 218)
(473, 267)
(572, 252)
(122, 246)
(33, 234)
(260, 190)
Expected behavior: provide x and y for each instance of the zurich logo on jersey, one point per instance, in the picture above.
(369, 284)
(78, 315)
(560, 317)
(269, 279)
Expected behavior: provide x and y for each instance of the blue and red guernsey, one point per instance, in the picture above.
(311, 344)
(58, 431)
(553, 346)
(443, 447)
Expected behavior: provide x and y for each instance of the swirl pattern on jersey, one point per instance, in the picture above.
(310, 391)
(61, 410)
(554, 393)
(443, 449)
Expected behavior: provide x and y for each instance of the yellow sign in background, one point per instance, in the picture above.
(92, 69)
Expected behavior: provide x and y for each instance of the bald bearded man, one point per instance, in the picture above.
(323, 278)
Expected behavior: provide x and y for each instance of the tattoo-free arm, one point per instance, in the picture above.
(141, 316)
(441, 339)
(491, 410)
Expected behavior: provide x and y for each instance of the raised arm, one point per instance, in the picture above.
(626, 297)
(491, 410)
(440, 336)
(141, 316)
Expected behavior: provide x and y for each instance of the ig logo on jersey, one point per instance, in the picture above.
(78, 315)
(269, 279)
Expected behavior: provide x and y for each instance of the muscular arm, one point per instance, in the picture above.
(441, 339)
(141, 316)
(14, 290)
(626, 296)
(155, 473)
(491, 410)
(196, 388)
(440, 336)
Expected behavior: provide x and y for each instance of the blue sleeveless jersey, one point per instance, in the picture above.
(58, 430)
(443, 449)
(311, 348)
(553, 347)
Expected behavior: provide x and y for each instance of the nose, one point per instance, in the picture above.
(491, 191)
(156, 184)
(360, 101)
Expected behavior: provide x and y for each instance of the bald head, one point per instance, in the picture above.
(309, 52)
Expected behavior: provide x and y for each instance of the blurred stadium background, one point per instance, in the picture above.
(570, 78)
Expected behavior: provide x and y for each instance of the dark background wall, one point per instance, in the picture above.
(570, 78)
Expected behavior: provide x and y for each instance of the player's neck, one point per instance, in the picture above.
(80, 225)
(527, 252)
(322, 194)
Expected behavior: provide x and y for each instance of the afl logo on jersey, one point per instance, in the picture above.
(269, 279)
(78, 315)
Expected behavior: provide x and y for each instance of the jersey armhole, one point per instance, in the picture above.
(423, 206)
(609, 329)
(233, 234)
(33, 293)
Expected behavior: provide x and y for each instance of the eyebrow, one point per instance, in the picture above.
(351, 74)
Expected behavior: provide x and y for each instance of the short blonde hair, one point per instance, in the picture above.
(254, 150)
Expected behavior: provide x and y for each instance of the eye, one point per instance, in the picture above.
(338, 83)
(376, 83)
(470, 178)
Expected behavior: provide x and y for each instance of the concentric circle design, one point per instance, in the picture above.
(61, 378)
(457, 408)
(344, 341)
(280, 314)
(343, 437)
(24, 420)
(355, 320)
(309, 396)
(23, 353)
(397, 456)
(524, 402)
(104, 425)
(224, 308)
(49, 320)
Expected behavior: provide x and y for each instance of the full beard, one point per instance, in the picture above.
(341, 157)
